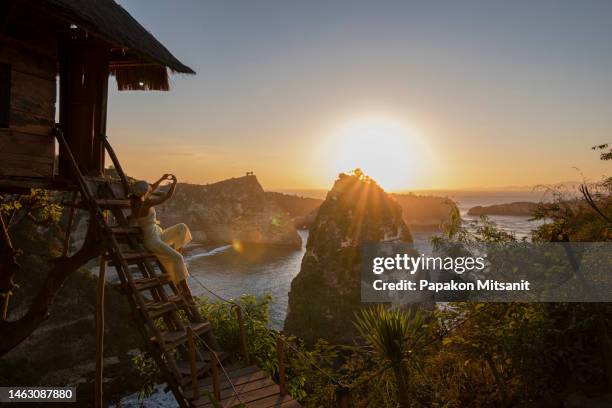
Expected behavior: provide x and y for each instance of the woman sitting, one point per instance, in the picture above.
(164, 243)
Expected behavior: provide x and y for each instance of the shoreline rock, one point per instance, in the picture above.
(517, 209)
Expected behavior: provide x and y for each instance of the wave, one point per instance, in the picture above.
(212, 252)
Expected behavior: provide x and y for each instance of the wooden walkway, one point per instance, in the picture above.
(253, 388)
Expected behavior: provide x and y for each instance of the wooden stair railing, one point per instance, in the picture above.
(178, 338)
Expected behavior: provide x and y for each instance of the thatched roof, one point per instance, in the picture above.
(109, 21)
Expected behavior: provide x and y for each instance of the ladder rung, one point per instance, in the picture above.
(126, 230)
(180, 302)
(174, 339)
(175, 299)
(184, 367)
(133, 257)
(111, 202)
(148, 283)
(156, 309)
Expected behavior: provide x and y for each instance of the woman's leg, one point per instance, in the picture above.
(176, 236)
(172, 261)
(169, 253)
(186, 291)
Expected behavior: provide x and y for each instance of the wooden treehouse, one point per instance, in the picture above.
(73, 46)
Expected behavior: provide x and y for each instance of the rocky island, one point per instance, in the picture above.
(519, 208)
(232, 210)
(326, 292)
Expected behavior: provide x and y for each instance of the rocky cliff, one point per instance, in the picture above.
(231, 210)
(326, 292)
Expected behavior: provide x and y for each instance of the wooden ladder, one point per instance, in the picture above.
(178, 337)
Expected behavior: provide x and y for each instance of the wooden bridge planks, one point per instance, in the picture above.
(253, 386)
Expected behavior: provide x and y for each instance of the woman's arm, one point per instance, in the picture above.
(156, 201)
(158, 182)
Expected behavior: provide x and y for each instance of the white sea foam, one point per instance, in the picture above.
(214, 251)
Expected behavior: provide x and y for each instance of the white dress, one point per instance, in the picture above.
(162, 242)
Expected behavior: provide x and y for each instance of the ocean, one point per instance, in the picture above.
(261, 270)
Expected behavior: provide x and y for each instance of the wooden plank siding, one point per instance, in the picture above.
(27, 146)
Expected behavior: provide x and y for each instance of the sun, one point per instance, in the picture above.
(388, 150)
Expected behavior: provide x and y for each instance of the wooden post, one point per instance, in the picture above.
(8, 257)
(214, 370)
(100, 333)
(280, 354)
(243, 339)
(193, 363)
(343, 397)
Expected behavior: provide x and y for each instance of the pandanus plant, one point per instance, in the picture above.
(393, 335)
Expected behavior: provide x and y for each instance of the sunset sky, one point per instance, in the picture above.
(420, 94)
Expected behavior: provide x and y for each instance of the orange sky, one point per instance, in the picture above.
(476, 95)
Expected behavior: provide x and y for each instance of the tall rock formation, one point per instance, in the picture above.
(326, 293)
(232, 210)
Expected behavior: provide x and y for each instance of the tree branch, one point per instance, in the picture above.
(8, 268)
(14, 332)
(589, 199)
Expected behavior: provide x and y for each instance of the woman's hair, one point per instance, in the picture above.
(140, 188)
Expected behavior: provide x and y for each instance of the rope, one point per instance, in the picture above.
(221, 298)
(300, 353)
(309, 360)
(222, 368)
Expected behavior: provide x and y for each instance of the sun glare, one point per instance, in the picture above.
(387, 150)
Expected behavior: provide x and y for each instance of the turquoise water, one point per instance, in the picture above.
(255, 270)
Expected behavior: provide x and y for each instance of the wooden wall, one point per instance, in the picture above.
(83, 94)
(27, 146)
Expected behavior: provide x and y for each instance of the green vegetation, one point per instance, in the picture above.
(394, 336)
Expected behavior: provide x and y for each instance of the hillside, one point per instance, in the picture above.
(294, 205)
(231, 210)
(424, 211)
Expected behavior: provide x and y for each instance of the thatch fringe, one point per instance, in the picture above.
(141, 77)
(111, 22)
